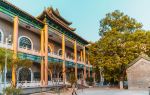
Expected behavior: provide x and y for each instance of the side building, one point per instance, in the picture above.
(45, 39)
(138, 73)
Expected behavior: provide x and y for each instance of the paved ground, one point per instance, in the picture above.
(99, 91)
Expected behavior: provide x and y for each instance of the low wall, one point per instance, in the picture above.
(31, 90)
(26, 91)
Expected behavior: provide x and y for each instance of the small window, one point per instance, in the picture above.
(25, 42)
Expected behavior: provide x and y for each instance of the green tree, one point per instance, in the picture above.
(122, 40)
(2, 60)
(118, 21)
(10, 60)
(116, 50)
(18, 62)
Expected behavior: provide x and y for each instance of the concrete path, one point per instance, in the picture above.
(99, 91)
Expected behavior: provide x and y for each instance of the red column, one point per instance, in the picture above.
(46, 54)
(75, 59)
(84, 58)
(15, 48)
(63, 57)
(42, 55)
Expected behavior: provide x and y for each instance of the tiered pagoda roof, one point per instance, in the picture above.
(56, 17)
(50, 13)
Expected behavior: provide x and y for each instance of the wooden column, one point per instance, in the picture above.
(63, 57)
(84, 58)
(81, 55)
(42, 60)
(46, 53)
(15, 48)
(75, 59)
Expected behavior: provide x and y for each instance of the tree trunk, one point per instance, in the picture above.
(121, 84)
(0, 77)
(121, 80)
(122, 77)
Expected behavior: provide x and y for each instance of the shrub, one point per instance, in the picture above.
(90, 81)
(12, 91)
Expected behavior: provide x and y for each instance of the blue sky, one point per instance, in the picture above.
(86, 14)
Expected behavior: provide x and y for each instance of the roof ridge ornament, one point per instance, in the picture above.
(49, 10)
(57, 12)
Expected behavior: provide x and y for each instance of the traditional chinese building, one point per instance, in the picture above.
(44, 39)
(138, 73)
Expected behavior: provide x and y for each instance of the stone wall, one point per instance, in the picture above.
(139, 75)
(6, 27)
(35, 38)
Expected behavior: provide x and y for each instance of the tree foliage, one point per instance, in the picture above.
(12, 91)
(10, 60)
(118, 21)
(116, 50)
(17, 62)
(2, 58)
(122, 40)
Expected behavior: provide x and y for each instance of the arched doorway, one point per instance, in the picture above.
(25, 74)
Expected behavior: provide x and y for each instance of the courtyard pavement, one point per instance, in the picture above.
(100, 91)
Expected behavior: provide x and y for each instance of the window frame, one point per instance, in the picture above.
(28, 39)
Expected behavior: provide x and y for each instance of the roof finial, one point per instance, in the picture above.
(57, 12)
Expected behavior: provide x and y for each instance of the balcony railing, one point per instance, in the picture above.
(54, 55)
(69, 59)
(26, 50)
(27, 84)
(80, 62)
(35, 52)
(8, 46)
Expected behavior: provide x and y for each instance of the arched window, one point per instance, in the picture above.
(60, 52)
(1, 36)
(25, 42)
